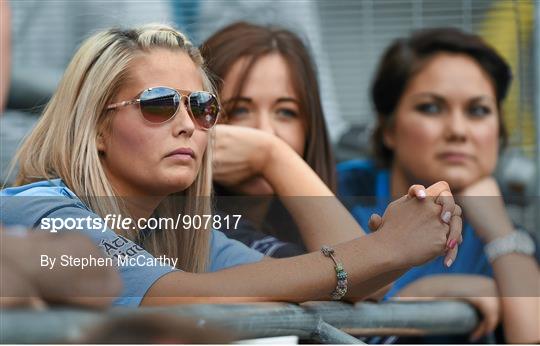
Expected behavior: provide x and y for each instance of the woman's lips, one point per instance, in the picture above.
(454, 157)
(183, 154)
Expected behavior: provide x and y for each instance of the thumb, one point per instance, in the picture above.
(375, 221)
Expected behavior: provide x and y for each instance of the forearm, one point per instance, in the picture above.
(518, 283)
(449, 286)
(516, 275)
(307, 277)
(375, 288)
(320, 217)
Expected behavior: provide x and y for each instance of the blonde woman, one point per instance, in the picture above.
(127, 133)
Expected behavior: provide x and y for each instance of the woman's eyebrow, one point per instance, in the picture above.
(286, 99)
(482, 98)
(437, 97)
(238, 99)
(441, 98)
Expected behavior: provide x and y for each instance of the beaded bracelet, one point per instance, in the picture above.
(341, 274)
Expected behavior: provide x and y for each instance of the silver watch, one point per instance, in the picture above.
(515, 242)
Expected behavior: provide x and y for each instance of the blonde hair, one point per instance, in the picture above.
(63, 144)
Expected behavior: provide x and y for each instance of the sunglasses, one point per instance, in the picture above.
(160, 104)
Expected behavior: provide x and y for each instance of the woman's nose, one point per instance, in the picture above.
(457, 126)
(266, 124)
(183, 122)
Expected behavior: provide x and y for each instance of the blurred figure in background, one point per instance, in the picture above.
(438, 96)
(5, 51)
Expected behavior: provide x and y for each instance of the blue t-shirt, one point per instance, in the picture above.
(360, 178)
(28, 205)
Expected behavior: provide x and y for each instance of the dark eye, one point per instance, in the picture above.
(287, 112)
(238, 112)
(428, 108)
(479, 111)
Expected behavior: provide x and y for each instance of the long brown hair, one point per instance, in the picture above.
(244, 40)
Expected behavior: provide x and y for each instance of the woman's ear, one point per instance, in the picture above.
(101, 143)
(103, 135)
(389, 137)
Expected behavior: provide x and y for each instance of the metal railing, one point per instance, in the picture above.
(325, 322)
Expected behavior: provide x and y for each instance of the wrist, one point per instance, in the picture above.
(487, 215)
(393, 257)
(515, 242)
(266, 154)
(501, 230)
(276, 155)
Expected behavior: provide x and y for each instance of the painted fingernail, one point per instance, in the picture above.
(446, 217)
(421, 194)
(452, 244)
(449, 262)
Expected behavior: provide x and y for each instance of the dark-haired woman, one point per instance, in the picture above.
(438, 96)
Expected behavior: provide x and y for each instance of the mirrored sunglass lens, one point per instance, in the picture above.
(159, 104)
(204, 107)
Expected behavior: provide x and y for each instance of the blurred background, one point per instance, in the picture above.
(346, 37)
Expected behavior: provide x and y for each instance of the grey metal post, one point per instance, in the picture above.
(328, 334)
